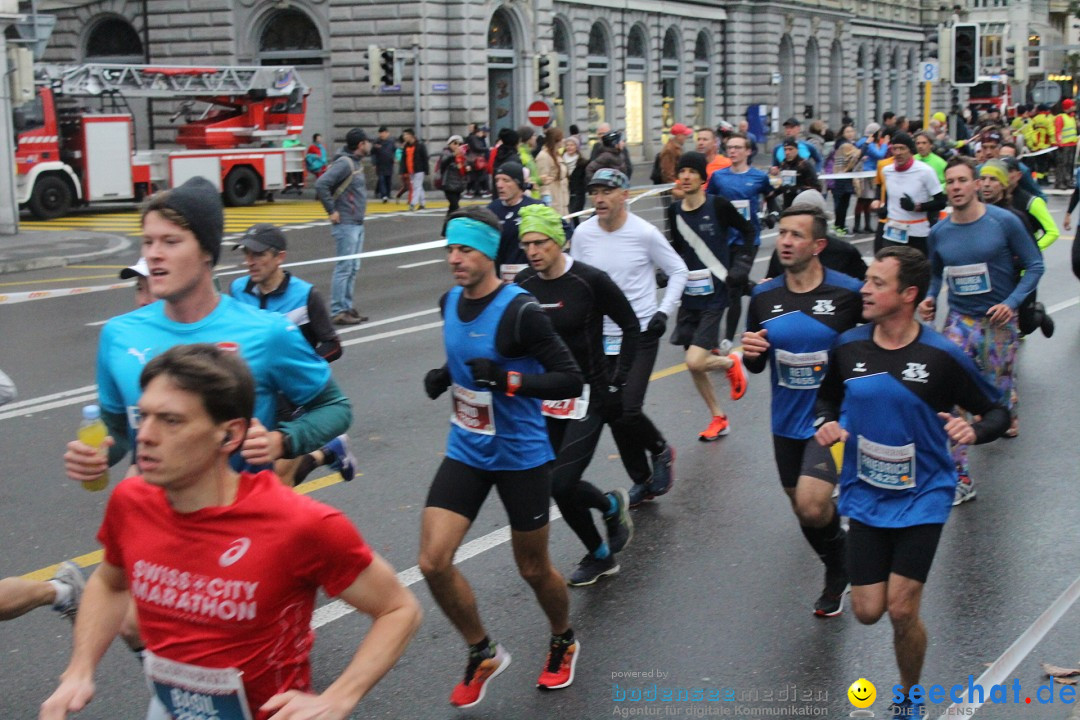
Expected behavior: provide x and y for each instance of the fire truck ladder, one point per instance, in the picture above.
(171, 81)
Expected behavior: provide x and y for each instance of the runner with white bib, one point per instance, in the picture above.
(577, 297)
(913, 195)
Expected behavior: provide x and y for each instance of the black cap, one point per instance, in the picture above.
(354, 138)
(199, 203)
(262, 237)
(1011, 163)
(611, 139)
(791, 142)
(139, 269)
(509, 136)
(694, 161)
(902, 138)
(514, 171)
(1044, 107)
(383, 128)
(792, 122)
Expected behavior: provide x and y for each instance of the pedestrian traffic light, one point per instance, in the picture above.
(543, 73)
(965, 54)
(388, 67)
(1015, 65)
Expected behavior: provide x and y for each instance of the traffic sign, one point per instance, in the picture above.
(539, 113)
(929, 71)
(1046, 91)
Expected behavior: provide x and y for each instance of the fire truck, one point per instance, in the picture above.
(69, 154)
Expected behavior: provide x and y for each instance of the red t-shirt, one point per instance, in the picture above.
(410, 154)
(233, 586)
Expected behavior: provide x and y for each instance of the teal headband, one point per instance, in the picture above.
(473, 233)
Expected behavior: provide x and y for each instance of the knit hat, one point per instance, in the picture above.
(514, 171)
(509, 136)
(809, 198)
(354, 137)
(1067, 104)
(455, 138)
(473, 233)
(997, 170)
(871, 129)
(199, 203)
(902, 138)
(694, 161)
(939, 116)
(544, 220)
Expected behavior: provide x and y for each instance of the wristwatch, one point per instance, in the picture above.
(513, 383)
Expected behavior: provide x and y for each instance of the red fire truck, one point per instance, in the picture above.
(68, 154)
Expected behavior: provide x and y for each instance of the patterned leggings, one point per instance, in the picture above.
(993, 350)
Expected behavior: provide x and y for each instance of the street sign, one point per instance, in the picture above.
(1046, 91)
(539, 113)
(929, 71)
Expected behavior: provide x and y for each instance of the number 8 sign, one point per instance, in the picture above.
(928, 71)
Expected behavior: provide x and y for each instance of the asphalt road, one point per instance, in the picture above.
(715, 590)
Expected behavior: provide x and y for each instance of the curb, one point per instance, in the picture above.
(116, 244)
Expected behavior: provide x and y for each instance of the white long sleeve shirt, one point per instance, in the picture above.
(630, 255)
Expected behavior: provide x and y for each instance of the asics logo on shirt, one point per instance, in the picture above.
(859, 367)
(139, 354)
(916, 372)
(236, 550)
(824, 307)
(777, 308)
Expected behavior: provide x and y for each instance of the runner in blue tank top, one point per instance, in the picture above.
(503, 358)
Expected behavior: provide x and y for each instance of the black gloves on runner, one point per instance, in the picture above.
(658, 324)
(486, 373)
(436, 382)
(771, 219)
(907, 203)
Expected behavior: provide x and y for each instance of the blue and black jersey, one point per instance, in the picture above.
(897, 469)
(802, 329)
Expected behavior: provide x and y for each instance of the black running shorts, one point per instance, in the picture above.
(698, 327)
(874, 553)
(526, 494)
(795, 458)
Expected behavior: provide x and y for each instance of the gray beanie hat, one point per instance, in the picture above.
(199, 203)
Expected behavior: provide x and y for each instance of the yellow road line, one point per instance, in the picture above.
(65, 279)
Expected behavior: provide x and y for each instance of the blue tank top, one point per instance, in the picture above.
(488, 429)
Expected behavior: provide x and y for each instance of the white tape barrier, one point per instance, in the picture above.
(12, 298)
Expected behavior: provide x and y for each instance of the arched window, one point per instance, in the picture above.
(502, 66)
(564, 98)
(113, 39)
(599, 69)
(669, 78)
(289, 37)
(637, 64)
(702, 81)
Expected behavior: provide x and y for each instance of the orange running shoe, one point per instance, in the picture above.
(478, 674)
(717, 429)
(558, 672)
(736, 375)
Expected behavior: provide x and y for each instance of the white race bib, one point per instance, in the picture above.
(787, 178)
(190, 692)
(508, 272)
(886, 466)
(801, 371)
(473, 410)
(699, 282)
(612, 344)
(968, 279)
(743, 206)
(896, 232)
(569, 409)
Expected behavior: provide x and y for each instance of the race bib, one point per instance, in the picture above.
(886, 466)
(508, 272)
(801, 371)
(612, 344)
(968, 279)
(896, 232)
(787, 178)
(190, 692)
(569, 409)
(134, 417)
(473, 410)
(699, 282)
(743, 206)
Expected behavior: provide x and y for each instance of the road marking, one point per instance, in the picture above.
(387, 321)
(418, 264)
(392, 333)
(54, 280)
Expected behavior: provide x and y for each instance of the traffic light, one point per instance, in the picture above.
(1015, 65)
(21, 75)
(373, 64)
(543, 73)
(388, 66)
(965, 54)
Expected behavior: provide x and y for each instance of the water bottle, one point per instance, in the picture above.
(93, 432)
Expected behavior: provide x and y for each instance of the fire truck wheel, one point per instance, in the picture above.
(241, 187)
(51, 198)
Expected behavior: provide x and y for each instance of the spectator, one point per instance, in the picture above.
(476, 157)
(529, 141)
(610, 155)
(414, 163)
(575, 175)
(506, 150)
(383, 152)
(451, 172)
(554, 184)
(316, 158)
(668, 159)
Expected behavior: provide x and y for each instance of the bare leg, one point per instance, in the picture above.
(531, 555)
(18, 596)
(909, 632)
(441, 533)
(701, 362)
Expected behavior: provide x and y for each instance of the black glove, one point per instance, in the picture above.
(436, 382)
(610, 400)
(486, 373)
(907, 203)
(771, 219)
(661, 278)
(658, 324)
(883, 212)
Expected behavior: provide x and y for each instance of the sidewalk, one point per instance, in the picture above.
(37, 249)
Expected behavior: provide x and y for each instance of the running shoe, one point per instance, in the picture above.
(620, 528)
(717, 429)
(561, 661)
(69, 574)
(345, 463)
(663, 472)
(907, 709)
(831, 601)
(725, 346)
(591, 569)
(965, 490)
(736, 375)
(478, 673)
(639, 494)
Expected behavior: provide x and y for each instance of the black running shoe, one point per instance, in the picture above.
(663, 472)
(591, 569)
(831, 601)
(620, 528)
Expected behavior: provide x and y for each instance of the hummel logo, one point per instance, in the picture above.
(824, 307)
(777, 308)
(859, 367)
(916, 372)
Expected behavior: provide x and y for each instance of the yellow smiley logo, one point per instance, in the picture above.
(862, 693)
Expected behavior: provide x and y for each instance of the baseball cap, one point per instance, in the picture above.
(609, 177)
(262, 237)
(1011, 164)
(791, 142)
(139, 269)
(1068, 104)
(680, 129)
(792, 122)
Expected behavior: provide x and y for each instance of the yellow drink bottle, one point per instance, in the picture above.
(93, 432)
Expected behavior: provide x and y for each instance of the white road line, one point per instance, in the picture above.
(338, 609)
(1062, 305)
(418, 264)
(387, 321)
(88, 398)
(392, 333)
(46, 398)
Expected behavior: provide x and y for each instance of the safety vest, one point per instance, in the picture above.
(1043, 126)
(1068, 129)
